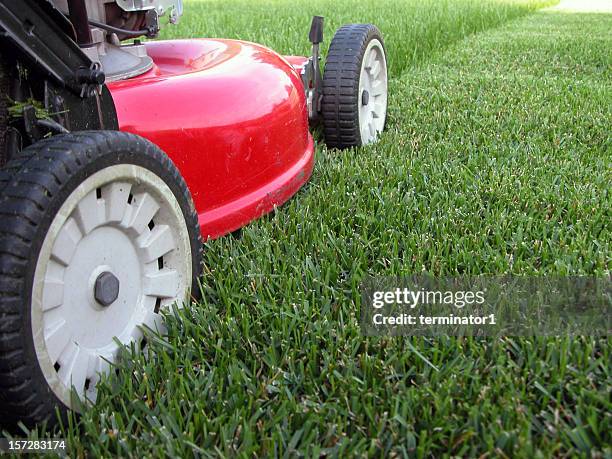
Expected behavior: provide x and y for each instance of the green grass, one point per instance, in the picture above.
(413, 29)
(496, 160)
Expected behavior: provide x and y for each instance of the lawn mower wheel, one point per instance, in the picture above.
(354, 104)
(98, 232)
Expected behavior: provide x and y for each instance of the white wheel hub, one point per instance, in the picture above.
(372, 92)
(117, 251)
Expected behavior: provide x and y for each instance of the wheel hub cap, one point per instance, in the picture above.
(365, 98)
(373, 90)
(106, 289)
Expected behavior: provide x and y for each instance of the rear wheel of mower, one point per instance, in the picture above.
(98, 232)
(354, 107)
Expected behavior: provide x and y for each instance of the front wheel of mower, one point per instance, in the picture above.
(354, 107)
(98, 233)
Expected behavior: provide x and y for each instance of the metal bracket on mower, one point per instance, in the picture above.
(38, 46)
(26, 26)
(313, 81)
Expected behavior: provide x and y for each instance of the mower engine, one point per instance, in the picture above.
(101, 26)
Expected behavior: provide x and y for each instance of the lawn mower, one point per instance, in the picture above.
(120, 154)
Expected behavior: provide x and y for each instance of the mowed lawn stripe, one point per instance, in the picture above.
(510, 147)
(413, 30)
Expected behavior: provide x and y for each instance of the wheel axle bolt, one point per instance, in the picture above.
(106, 289)
(365, 98)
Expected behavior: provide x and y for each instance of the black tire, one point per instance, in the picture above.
(33, 186)
(341, 78)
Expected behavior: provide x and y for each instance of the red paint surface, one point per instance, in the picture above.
(232, 116)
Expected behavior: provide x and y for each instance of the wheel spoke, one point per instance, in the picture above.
(92, 364)
(98, 366)
(146, 208)
(367, 119)
(66, 242)
(364, 131)
(375, 69)
(162, 284)
(371, 128)
(103, 364)
(366, 81)
(90, 212)
(153, 321)
(377, 88)
(116, 196)
(377, 110)
(53, 294)
(56, 339)
(91, 393)
(78, 369)
(159, 243)
(369, 60)
(363, 116)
